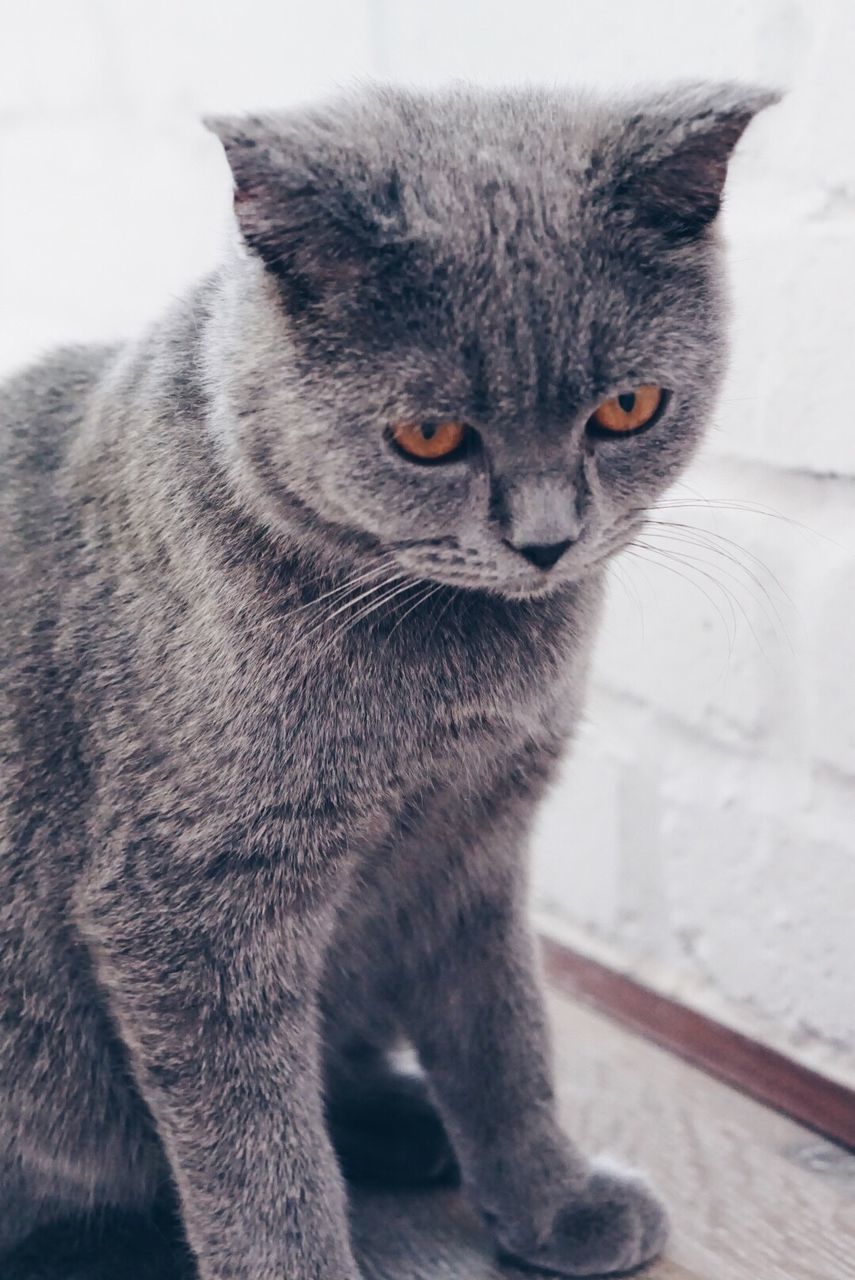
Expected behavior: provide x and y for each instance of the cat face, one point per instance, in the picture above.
(492, 327)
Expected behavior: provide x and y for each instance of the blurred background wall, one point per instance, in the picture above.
(703, 834)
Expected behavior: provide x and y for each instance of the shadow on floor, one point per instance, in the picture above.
(115, 1247)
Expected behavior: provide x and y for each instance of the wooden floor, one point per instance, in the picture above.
(752, 1195)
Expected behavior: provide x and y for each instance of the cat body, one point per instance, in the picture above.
(281, 702)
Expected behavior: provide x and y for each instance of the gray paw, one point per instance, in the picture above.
(615, 1225)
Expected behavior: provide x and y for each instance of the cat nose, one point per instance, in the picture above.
(537, 514)
(544, 555)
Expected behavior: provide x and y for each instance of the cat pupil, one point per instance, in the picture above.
(627, 401)
(428, 431)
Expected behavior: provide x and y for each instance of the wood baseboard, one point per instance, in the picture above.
(820, 1104)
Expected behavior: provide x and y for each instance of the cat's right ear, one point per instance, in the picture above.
(675, 153)
(291, 209)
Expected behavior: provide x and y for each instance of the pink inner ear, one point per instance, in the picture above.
(680, 193)
(692, 178)
(293, 231)
(245, 195)
(674, 181)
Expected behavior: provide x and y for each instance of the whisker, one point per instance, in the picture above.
(339, 609)
(655, 557)
(758, 573)
(626, 582)
(700, 533)
(736, 505)
(766, 601)
(354, 581)
(694, 562)
(422, 599)
(440, 611)
(365, 612)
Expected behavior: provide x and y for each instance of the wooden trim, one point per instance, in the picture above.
(756, 1070)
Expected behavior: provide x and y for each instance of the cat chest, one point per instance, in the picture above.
(380, 732)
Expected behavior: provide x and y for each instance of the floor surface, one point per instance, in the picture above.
(752, 1195)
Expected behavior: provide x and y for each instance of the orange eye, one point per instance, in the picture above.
(429, 441)
(630, 410)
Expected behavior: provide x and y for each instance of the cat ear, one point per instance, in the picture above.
(680, 145)
(294, 209)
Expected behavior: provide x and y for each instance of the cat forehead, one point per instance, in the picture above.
(477, 135)
(353, 205)
(453, 152)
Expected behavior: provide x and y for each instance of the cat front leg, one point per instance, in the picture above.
(475, 1011)
(211, 974)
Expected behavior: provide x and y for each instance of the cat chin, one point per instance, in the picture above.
(518, 591)
(554, 583)
(541, 591)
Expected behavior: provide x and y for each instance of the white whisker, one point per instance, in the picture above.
(340, 608)
(422, 599)
(762, 584)
(354, 581)
(661, 558)
(373, 607)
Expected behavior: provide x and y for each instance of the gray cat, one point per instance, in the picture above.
(299, 595)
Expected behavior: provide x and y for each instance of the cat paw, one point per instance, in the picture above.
(613, 1226)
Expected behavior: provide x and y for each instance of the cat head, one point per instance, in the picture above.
(479, 332)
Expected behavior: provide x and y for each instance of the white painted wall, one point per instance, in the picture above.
(703, 836)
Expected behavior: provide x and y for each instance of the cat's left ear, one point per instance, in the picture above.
(676, 150)
(303, 206)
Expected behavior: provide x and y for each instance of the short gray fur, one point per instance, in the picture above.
(279, 704)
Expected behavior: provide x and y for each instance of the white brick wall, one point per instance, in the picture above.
(715, 776)
(704, 834)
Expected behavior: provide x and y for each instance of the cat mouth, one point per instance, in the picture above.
(533, 573)
(529, 586)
